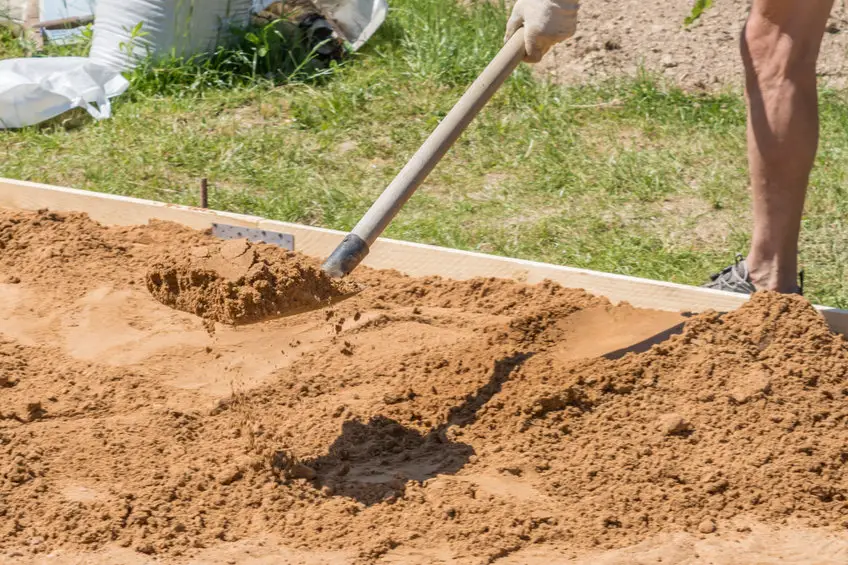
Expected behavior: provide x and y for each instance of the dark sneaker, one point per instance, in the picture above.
(734, 278)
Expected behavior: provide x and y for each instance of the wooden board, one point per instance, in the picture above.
(411, 258)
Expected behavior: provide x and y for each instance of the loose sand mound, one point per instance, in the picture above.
(237, 282)
(616, 37)
(418, 421)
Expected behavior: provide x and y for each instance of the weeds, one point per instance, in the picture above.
(259, 57)
(14, 42)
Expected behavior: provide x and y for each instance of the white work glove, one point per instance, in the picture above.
(545, 23)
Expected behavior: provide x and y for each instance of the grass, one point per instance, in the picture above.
(631, 176)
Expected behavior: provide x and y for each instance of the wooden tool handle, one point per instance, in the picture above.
(443, 137)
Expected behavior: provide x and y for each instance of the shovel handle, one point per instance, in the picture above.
(443, 137)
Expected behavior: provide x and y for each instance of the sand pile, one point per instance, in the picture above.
(744, 414)
(237, 282)
(418, 421)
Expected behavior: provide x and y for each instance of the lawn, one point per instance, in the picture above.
(631, 176)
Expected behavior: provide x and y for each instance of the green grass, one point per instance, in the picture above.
(631, 176)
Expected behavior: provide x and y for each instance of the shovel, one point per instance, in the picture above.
(356, 245)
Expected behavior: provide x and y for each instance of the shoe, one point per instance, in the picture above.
(737, 278)
(734, 278)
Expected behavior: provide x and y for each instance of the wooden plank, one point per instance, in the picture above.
(412, 258)
(33, 12)
(64, 23)
(420, 260)
(110, 208)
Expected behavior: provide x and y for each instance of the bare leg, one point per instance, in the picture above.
(780, 45)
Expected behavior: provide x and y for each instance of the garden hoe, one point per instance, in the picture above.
(355, 246)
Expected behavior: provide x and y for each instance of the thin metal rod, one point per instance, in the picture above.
(204, 193)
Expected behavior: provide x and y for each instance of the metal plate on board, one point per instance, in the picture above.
(226, 231)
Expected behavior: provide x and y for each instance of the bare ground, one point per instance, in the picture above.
(619, 37)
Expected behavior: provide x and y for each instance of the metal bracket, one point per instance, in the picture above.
(226, 231)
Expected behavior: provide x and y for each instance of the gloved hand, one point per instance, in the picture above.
(545, 23)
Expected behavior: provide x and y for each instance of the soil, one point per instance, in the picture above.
(616, 38)
(420, 420)
(237, 282)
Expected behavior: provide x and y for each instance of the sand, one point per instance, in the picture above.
(413, 421)
(236, 282)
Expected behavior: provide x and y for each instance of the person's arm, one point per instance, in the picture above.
(545, 23)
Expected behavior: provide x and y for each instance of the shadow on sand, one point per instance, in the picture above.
(645, 344)
(371, 461)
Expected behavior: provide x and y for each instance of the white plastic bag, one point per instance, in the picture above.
(35, 90)
(357, 20)
(184, 27)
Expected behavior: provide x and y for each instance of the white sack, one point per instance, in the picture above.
(35, 90)
(14, 10)
(186, 27)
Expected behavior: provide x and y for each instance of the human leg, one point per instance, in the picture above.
(780, 45)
